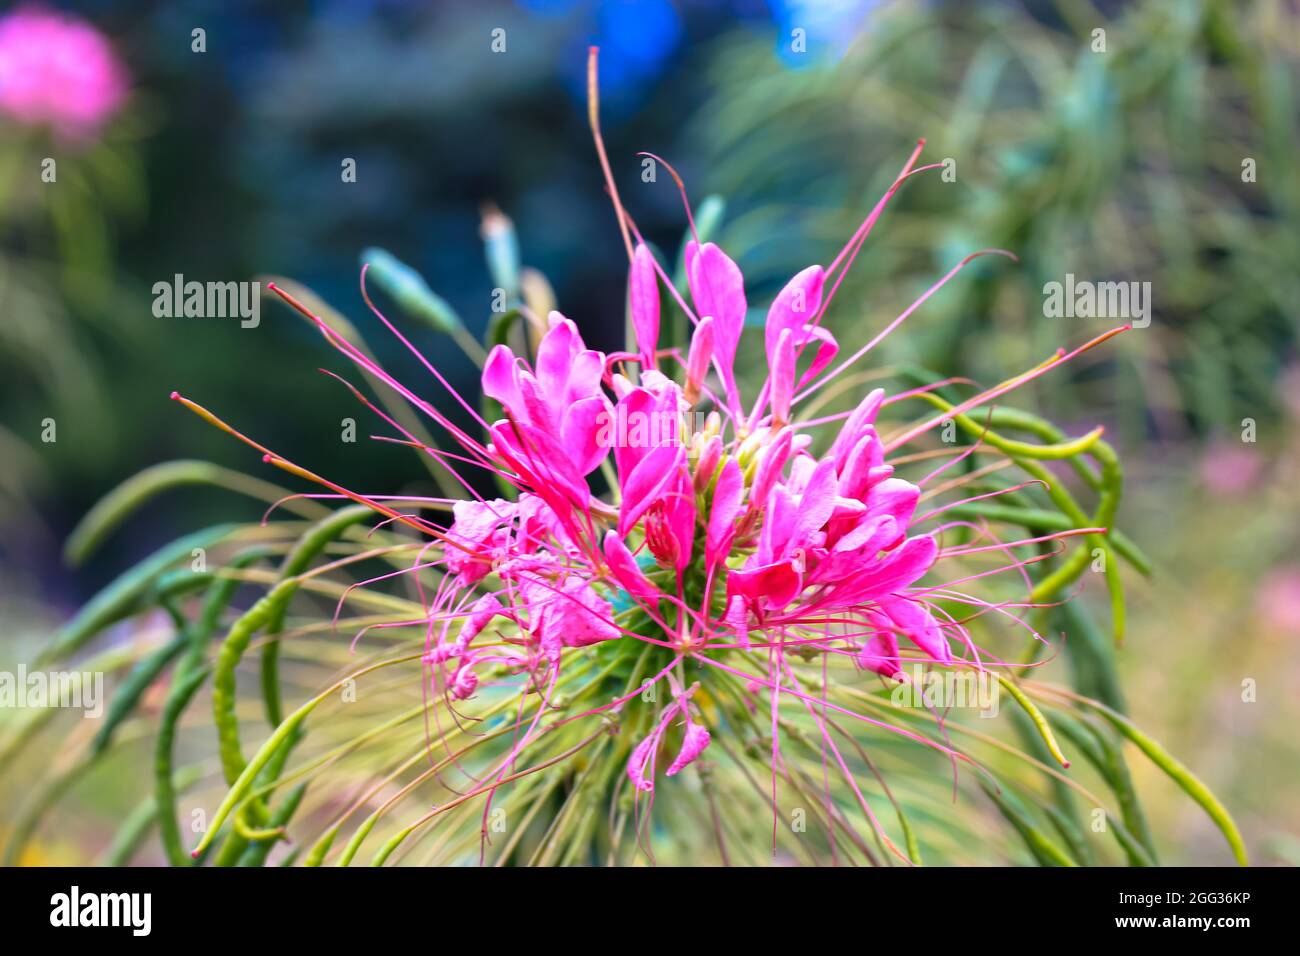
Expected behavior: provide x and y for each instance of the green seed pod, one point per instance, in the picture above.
(410, 290)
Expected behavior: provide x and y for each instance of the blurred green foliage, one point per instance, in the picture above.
(1167, 157)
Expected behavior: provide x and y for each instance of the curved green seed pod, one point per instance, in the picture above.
(252, 822)
(223, 682)
(189, 676)
(295, 562)
(1035, 715)
(410, 291)
(244, 783)
(165, 786)
(256, 854)
(1040, 519)
(267, 611)
(1187, 781)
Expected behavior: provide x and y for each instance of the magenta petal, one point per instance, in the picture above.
(585, 373)
(856, 470)
(643, 302)
(880, 654)
(818, 500)
(894, 497)
(718, 289)
(631, 440)
(636, 763)
(581, 617)
(700, 355)
(727, 495)
(555, 357)
(777, 584)
(782, 378)
(902, 568)
(779, 523)
(538, 456)
(693, 744)
(679, 510)
(499, 378)
(916, 621)
(622, 564)
(827, 349)
(863, 415)
(769, 467)
(794, 306)
(484, 609)
(646, 483)
(585, 433)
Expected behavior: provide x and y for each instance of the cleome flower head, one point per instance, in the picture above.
(690, 578)
(58, 70)
(648, 575)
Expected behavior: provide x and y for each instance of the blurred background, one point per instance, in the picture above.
(1161, 150)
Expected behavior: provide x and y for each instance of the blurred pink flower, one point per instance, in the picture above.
(1229, 467)
(58, 70)
(1278, 599)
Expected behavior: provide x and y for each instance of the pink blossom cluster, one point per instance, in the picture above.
(57, 70)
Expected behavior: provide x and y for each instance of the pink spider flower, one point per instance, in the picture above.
(57, 70)
(725, 548)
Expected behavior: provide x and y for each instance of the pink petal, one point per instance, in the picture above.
(718, 289)
(794, 307)
(463, 682)
(818, 501)
(769, 468)
(777, 584)
(622, 564)
(643, 302)
(693, 744)
(863, 415)
(700, 355)
(880, 654)
(710, 455)
(727, 495)
(866, 454)
(827, 349)
(916, 621)
(645, 485)
(484, 609)
(581, 617)
(586, 429)
(584, 375)
(782, 378)
(555, 356)
(499, 378)
(903, 567)
(636, 763)
(539, 459)
(637, 406)
(894, 497)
